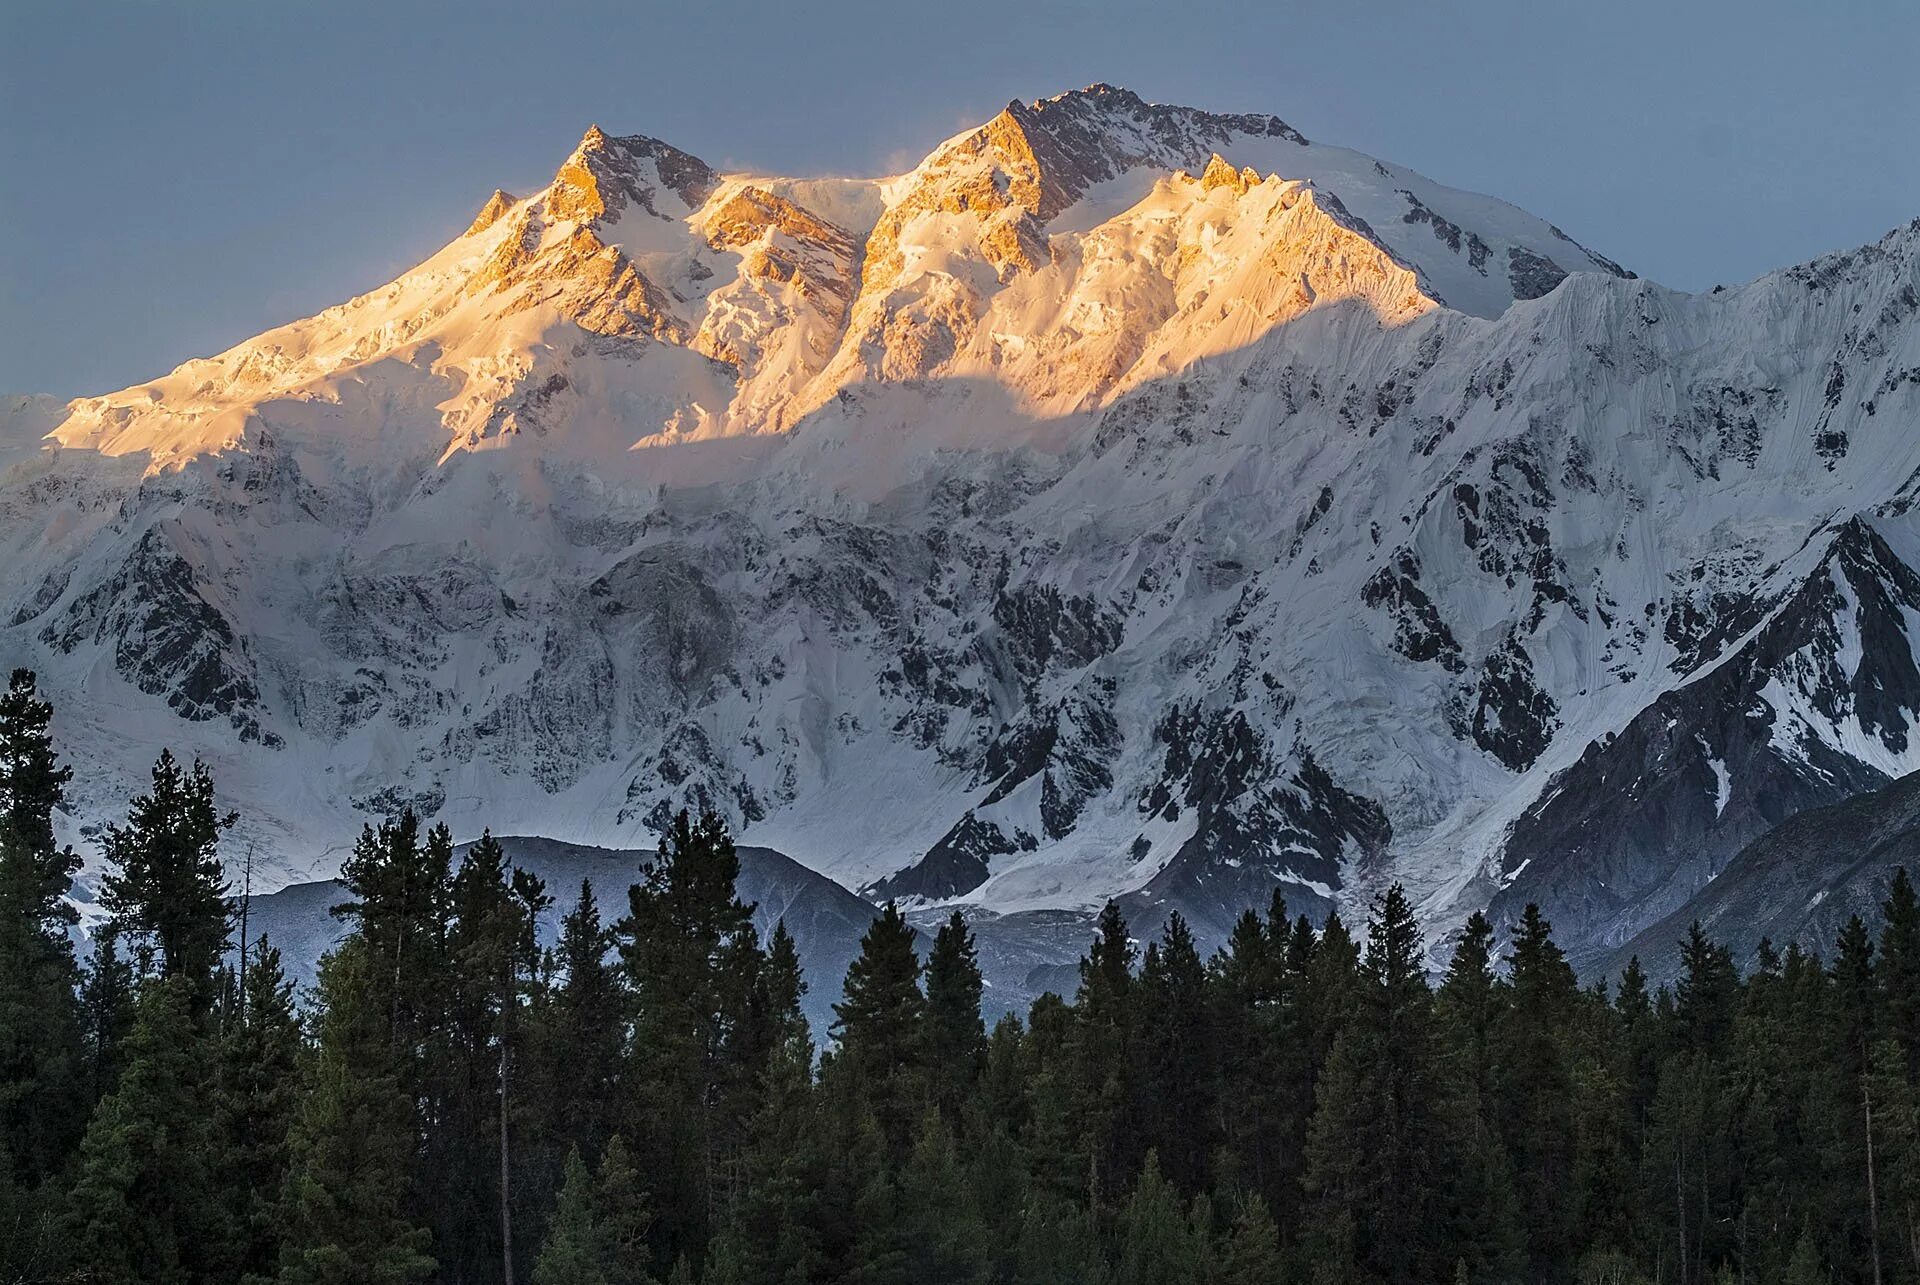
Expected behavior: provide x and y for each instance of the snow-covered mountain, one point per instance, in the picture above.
(1129, 500)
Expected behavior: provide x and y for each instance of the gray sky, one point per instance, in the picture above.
(176, 175)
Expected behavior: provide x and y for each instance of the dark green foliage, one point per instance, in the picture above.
(693, 962)
(344, 1214)
(167, 891)
(882, 1050)
(44, 1086)
(956, 1037)
(258, 1093)
(599, 1233)
(147, 1202)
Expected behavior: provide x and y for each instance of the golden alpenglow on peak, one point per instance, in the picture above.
(1221, 173)
(499, 203)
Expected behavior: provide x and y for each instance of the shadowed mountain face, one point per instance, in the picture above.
(825, 919)
(1800, 882)
(1129, 501)
(1020, 955)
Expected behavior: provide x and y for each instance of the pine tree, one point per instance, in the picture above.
(573, 1254)
(1258, 1059)
(940, 1223)
(1176, 1051)
(1058, 1244)
(1252, 1255)
(106, 1005)
(956, 1036)
(1705, 996)
(1382, 1135)
(692, 962)
(574, 1063)
(344, 1213)
(145, 1205)
(1534, 1091)
(1900, 965)
(491, 951)
(1156, 1244)
(167, 890)
(43, 1086)
(775, 1232)
(258, 1086)
(1468, 1004)
(879, 1027)
(1103, 1089)
(599, 1234)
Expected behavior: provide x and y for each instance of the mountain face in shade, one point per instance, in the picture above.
(1128, 501)
(826, 920)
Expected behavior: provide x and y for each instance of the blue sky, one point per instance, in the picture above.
(176, 175)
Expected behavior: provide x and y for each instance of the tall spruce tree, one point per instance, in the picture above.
(1104, 1088)
(344, 1212)
(1534, 1091)
(147, 1204)
(692, 962)
(577, 1047)
(259, 1069)
(1176, 1050)
(1382, 1143)
(167, 891)
(1900, 965)
(956, 1035)
(878, 1022)
(44, 1095)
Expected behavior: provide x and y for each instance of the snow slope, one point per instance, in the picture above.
(1128, 500)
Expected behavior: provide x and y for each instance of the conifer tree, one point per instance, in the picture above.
(1706, 996)
(1380, 1140)
(106, 1006)
(1900, 965)
(146, 1202)
(1534, 1090)
(1468, 1004)
(1103, 1097)
(1252, 1255)
(1258, 1058)
(879, 1027)
(167, 890)
(258, 1086)
(1176, 1053)
(344, 1212)
(692, 962)
(1156, 1243)
(599, 1234)
(43, 1085)
(576, 1048)
(956, 1035)
(941, 1225)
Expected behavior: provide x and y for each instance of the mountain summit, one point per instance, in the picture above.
(1129, 500)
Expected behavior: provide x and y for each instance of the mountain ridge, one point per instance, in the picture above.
(1236, 523)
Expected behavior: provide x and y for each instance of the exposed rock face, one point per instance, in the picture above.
(1128, 501)
(1798, 883)
(498, 204)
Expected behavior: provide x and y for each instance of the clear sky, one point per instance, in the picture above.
(176, 175)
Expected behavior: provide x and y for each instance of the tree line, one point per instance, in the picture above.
(642, 1102)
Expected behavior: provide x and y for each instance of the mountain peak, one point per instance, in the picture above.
(499, 203)
(608, 171)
